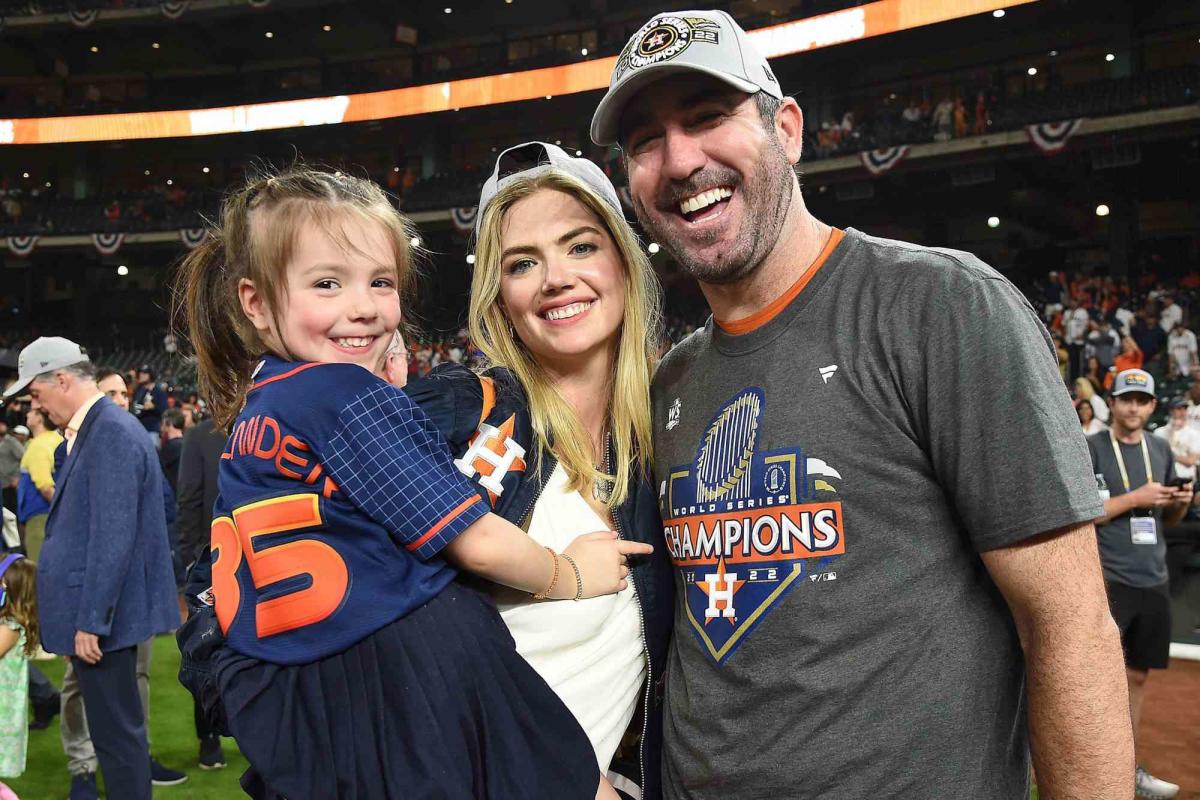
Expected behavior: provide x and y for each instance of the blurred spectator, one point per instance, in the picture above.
(1181, 352)
(1149, 336)
(1085, 392)
(149, 401)
(1095, 374)
(1171, 314)
(1184, 440)
(172, 445)
(35, 488)
(1193, 404)
(943, 120)
(1130, 357)
(1103, 343)
(11, 452)
(1075, 326)
(1087, 418)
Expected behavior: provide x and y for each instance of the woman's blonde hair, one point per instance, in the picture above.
(1084, 389)
(254, 239)
(555, 424)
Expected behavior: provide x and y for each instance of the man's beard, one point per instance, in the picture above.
(766, 197)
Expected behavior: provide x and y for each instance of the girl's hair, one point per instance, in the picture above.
(20, 580)
(255, 238)
(555, 423)
(1080, 405)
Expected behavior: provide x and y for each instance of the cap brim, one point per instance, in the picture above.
(1132, 390)
(16, 387)
(606, 122)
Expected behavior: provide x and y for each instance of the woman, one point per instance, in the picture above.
(1095, 374)
(1130, 357)
(1085, 393)
(565, 308)
(1087, 418)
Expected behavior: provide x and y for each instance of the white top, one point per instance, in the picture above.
(1182, 347)
(1184, 441)
(1169, 316)
(590, 652)
(1095, 426)
(1099, 408)
(1076, 324)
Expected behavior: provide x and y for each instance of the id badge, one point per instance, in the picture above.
(1143, 530)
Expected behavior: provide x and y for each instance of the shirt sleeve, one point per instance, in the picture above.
(41, 468)
(996, 418)
(391, 461)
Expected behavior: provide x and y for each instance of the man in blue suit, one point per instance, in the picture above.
(105, 581)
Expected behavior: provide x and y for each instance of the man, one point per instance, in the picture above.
(1183, 439)
(1181, 351)
(172, 432)
(76, 737)
(1193, 404)
(1075, 327)
(1139, 471)
(11, 452)
(22, 434)
(1171, 314)
(199, 464)
(863, 547)
(1103, 343)
(149, 401)
(104, 578)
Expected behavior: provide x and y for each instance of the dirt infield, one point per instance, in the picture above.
(1169, 742)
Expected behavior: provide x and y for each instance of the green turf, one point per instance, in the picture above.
(172, 740)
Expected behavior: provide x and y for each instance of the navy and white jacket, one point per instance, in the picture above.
(487, 425)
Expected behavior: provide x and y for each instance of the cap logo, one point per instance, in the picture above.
(664, 38)
(1135, 380)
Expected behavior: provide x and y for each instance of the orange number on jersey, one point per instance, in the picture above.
(273, 563)
(227, 557)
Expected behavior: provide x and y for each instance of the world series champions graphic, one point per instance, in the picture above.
(746, 527)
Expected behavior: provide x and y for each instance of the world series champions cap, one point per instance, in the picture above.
(533, 158)
(709, 42)
(45, 354)
(1133, 380)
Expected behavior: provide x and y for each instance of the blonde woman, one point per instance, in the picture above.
(565, 307)
(1085, 393)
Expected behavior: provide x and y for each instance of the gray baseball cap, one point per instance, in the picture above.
(1133, 380)
(533, 158)
(682, 41)
(45, 354)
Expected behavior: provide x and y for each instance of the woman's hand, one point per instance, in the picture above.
(603, 561)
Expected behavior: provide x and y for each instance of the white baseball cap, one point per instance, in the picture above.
(45, 354)
(682, 41)
(532, 158)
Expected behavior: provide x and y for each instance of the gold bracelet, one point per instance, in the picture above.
(578, 578)
(553, 579)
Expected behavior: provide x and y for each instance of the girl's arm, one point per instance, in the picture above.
(494, 548)
(8, 639)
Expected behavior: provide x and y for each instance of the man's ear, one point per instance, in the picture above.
(789, 127)
(254, 305)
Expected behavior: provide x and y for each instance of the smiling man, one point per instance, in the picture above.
(887, 588)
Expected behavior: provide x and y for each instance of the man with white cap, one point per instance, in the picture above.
(887, 588)
(1144, 497)
(105, 581)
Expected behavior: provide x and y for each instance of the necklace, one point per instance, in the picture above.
(602, 488)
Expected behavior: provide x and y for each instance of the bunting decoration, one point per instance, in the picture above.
(464, 219)
(882, 160)
(22, 245)
(1052, 137)
(173, 9)
(192, 237)
(108, 244)
(82, 18)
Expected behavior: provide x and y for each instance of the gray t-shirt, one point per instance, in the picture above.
(827, 482)
(1144, 562)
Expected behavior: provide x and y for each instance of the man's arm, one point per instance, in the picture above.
(1081, 736)
(1149, 495)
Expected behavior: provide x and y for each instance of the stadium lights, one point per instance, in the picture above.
(24, 174)
(47, 184)
(583, 52)
(145, 172)
(1109, 57)
(327, 28)
(470, 258)
(653, 248)
(204, 170)
(993, 222)
(170, 182)
(395, 169)
(556, 141)
(415, 241)
(1102, 210)
(578, 153)
(156, 45)
(1032, 71)
(1053, 53)
(998, 13)
(549, 96)
(269, 34)
(122, 270)
(94, 49)
(447, 9)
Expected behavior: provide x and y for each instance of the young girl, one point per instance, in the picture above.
(355, 667)
(18, 642)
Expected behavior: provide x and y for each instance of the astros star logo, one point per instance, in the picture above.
(720, 587)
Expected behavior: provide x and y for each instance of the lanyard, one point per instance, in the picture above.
(1121, 461)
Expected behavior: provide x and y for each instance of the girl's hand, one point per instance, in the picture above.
(603, 562)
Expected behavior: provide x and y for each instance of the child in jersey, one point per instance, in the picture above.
(354, 666)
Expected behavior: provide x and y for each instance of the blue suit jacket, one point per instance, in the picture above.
(105, 567)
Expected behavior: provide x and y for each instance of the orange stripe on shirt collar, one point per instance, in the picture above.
(737, 327)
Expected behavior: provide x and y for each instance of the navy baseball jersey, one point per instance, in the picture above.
(336, 495)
